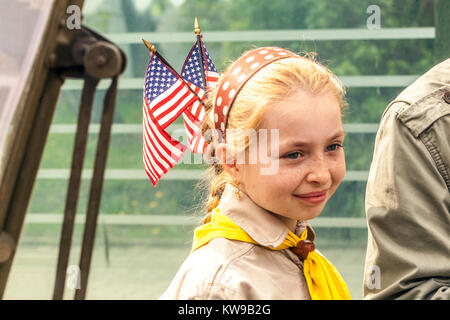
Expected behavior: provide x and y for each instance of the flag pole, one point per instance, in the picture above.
(149, 46)
(200, 53)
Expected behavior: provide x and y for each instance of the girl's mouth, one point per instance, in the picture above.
(313, 197)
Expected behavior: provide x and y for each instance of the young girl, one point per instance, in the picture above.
(281, 113)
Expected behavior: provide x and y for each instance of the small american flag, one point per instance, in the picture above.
(166, 96)
(194, 114)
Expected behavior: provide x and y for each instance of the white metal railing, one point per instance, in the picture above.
(169, 220)
(136, 128)
(174, 174)
(276, 35)
(378, 81)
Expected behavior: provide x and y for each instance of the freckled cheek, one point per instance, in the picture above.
(338, 169)
(283, 185)
(259, 184)
(270, 186)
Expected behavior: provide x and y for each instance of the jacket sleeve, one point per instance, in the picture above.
(407, 208)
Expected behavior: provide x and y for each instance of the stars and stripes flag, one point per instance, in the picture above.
(166, 96)
(192, 73)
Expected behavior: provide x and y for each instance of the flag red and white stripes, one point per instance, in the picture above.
(166, 96)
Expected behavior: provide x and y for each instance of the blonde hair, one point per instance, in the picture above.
(269, 85)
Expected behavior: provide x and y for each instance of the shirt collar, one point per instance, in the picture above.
(260, 224)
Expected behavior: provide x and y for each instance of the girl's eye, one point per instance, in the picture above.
(334, 147)
(293, 155)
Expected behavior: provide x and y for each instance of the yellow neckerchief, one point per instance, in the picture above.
(323, 279)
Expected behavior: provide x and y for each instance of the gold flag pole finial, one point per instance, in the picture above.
(196, 26)
(200, 54)
(149, 46)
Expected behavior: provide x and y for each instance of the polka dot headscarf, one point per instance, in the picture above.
(238, 74)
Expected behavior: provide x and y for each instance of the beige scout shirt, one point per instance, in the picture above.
(408, 194)
(230, 269)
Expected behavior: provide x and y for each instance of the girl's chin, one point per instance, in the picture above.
(303, 214)
(309, 214)
(311, 217)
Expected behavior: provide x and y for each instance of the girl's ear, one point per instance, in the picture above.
(225, 157)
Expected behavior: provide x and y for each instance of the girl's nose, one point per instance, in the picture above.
(319, 172)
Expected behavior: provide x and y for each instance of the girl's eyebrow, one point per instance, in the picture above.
(339, 134)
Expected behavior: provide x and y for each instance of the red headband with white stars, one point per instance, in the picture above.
(239, 73)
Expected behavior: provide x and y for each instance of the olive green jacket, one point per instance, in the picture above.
(408, 194)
